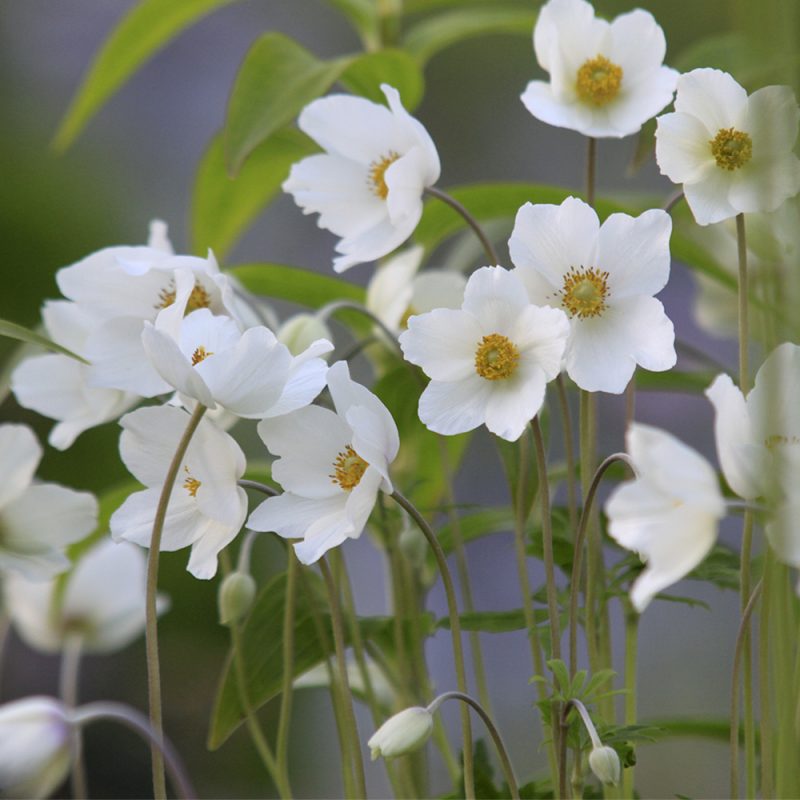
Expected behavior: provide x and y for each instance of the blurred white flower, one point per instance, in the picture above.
(668, 514)
(37, 520)
(331, 465)
(488, 361)
(604, 277)
(604, 762)
(403, 733)
(208, 358)
(367, 187)
(732, 153)
(300, 331)
(206, 509)
(102, 602)
(606, 79)
(35, 747)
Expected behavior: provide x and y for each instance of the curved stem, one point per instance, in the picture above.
(258, 487)
(339, 646)
(673, 200)
(285, 716)
(68, 692)
(469, 219)
(137, 722)
(348, 305)
(151, 611)
(569, 445)
(455, 631)
(505, 761)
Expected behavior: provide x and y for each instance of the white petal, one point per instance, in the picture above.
(637, 45)
(436, 288)
(762, 185)
(376, 444)
(20, 453)
(708, 198)
(405, 181)
(361, 500)
(641, 101)
(455, 406)
(216, 536)
(683, 148)
(772, 121)
(568, 22)
(29, 606)
(389, 291)
(513, 404)
(306, 380)
(378, 241)
(541, 101)
(712, 96)
(541, 334)
(323, 535)
(290, 516)
(495, 297)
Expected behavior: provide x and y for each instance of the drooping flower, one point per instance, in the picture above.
(367, 187)
(732, 153)
(403, 733)
(668, 514)
(207, 507)
(604, 277)
(102, 602)
(37, 520)
(606, 79)
(36, 743)
(209, 359)
(488, 361)
(331, 465)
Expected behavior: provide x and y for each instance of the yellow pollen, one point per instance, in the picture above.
(584, 293)
(731, 149)
(377, 171)
(598, 81)
(776, 439)
(199, 298)
(348, 469)
(407, 314)
(200, 354)
(496, 357)
(191, 484)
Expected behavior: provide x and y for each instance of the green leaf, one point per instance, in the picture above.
(489, 621)
(365, 75)
(21, 334)
(362, 14)
(720, 567)
(428, 37)
(674, 381)
(222, 206)
(563, 548)
(277, 79)
(474, 526)
(149, 26)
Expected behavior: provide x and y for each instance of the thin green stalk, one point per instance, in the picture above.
(455, 631)
(337, 624)
(569, 451)
(631, 661)
(151, 612)
(630, 401)
(287, 688)
(68, 692)
(5, 629)
(782, 645)
(741, 244)
(587, 448)
(591, 169)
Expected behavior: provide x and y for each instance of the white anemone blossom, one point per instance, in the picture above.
(669, 514)
(488, 361)
(37, 520)
(207, 507)
(331, 465)
(604, 277)
(102, 602)
(367, 187)
(732, 153)
(209, 359)
(606, 79)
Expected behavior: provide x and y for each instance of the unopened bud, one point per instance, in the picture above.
(403, 733)
(413, 544)
(301, 330)
(604, 762)
(236, 595)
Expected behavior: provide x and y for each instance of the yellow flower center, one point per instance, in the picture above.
(199, 354)
(199, 298)
(191, 484)
(584, 292)
(407, 314)
(731, 149)
(496, 357)
(348, 469)
(377, 171)
(598, 81)
(777, 439)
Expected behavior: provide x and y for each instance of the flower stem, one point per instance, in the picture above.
(68, 692)
(348, 305)
(505, 761)
(569, 446)
(285, 714)
(339, 646)
(469, 219)
(591, 169)
(631, 658)
(741, 246)
(151, 612)
(138, 723)
(455, 631)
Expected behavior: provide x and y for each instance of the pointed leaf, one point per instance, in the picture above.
(365, 75)
(18, 332)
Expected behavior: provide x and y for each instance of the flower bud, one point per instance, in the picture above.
(35, 747)
(236, 595)
(604, 762)
(301, 330)
(413, 544)
(403, 733)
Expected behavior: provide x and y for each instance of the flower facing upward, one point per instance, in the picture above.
(604, 277)
(606, 79)
(732, 153)
(331, 465)
(367, 187)
(668, 514)
(488, 361)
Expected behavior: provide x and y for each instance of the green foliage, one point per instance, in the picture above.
(22, 334)
(563, 549)
(365, 75)
(517, 458)
(362, 15)
(144, 30)
(674, 381)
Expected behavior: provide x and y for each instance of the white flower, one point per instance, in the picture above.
(37, 520)
(57, 386)
(300, 331)
(251, 374)
(331, 466)
(488, 361)
(367, 187)
(206, 509)
(35, 747)
(668, 514)
(604, 762)
(398, 290)
(606, 79)
(604, 277)
(732, 153)
(102, 602)
(403, 733)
